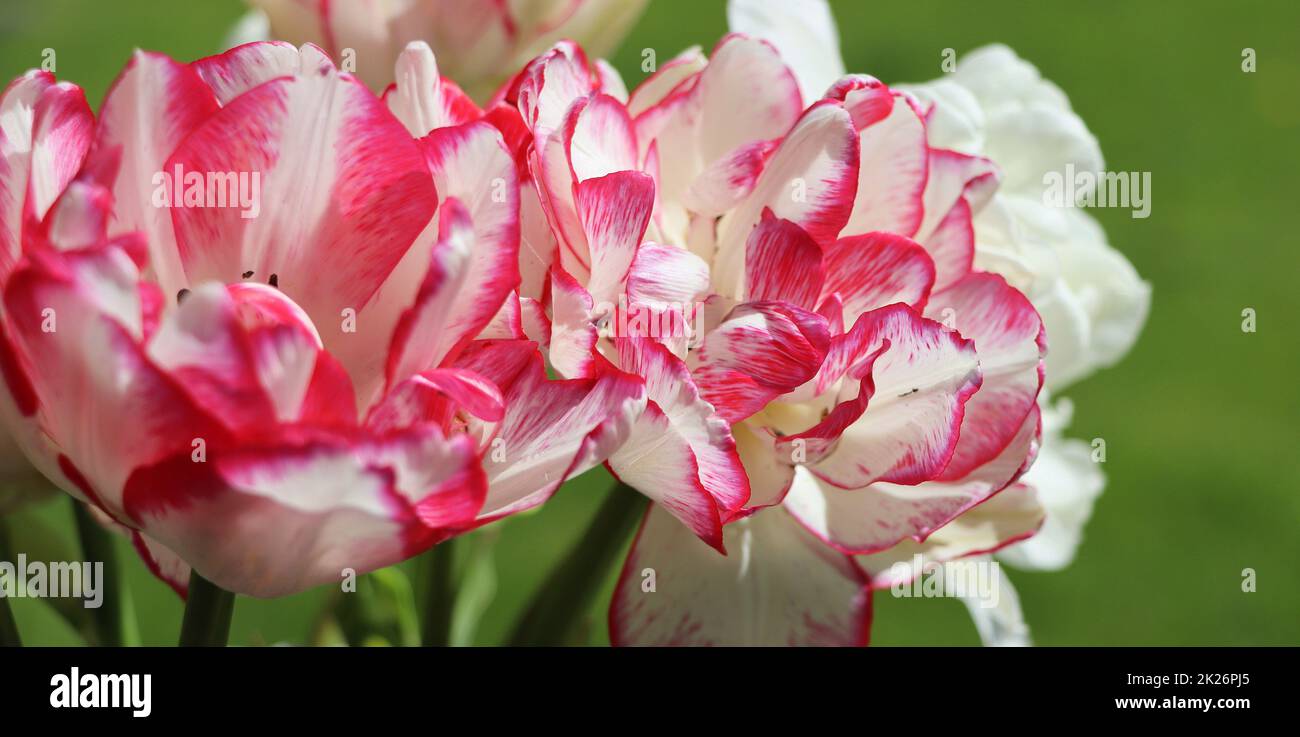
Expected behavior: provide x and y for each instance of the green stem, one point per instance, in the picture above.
(107, 621)
(8, 627)
(207, 614)
(437, 570)
(566, 595)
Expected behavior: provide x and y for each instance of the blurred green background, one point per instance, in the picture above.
(1201, 421)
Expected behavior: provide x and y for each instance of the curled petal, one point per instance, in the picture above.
(1010, 339)
(922, 382)
(268, 521)
(882, 515)
(553, 430)
(782, 264)
(873, 270)
(892, 174)
(682, 454)
(809, 180)
(761, 351)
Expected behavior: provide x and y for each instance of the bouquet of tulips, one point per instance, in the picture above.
(321, 303)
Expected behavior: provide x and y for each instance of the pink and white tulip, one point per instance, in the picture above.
(1092, 301)
(44, 130)
(276, 399)
(841, 380)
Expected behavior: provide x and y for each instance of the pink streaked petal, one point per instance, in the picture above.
(665, 79)
(957, 188)
(471, 164)
(728, 180)
(952, 245)
(421, 98)
(666, 275)
(62, 129)
(614, 210)
(94, 375)
(810, 180)
(500, 361)
(953, 176)
(782, 264)
(747, 94)
(203, 345)
(922, 383)
(435, 396)
(426, 333)
(350, 188)
(707, 435)
(866, 98)
(554, 430)
(882, 515)
(534, 323)
(657, 461)
(877, 269)
(301, 380)
(80, 218)
(813, 444)
(17, 121)
(892, 174)
(550, 84)
(474, 393)
(1011, 342)
(776, 344)
(507, 323)
(778, 586)
(162, 562)
(152, 107)
(234, 72)
(572, 348)
(538, 243)
(769, 477)
(611, 82)
(294, 516)
(1010, 516)
(599, 138)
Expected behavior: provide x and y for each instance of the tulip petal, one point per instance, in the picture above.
(297, 515)
(761, 351)
(892, 174)
(782, 264)
(922, 383)
(1010, 339)
(882, 515)
(778, 586)
(1008, 516)
(422, 98)
(342, 220)
(234, 72)
(810, 180)
(684, 439)
(614, 210)
(871, 271)
(555, 430)
(152, 107)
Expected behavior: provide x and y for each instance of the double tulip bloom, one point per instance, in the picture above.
(844, 381)
(273, 400)
(759, 302)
